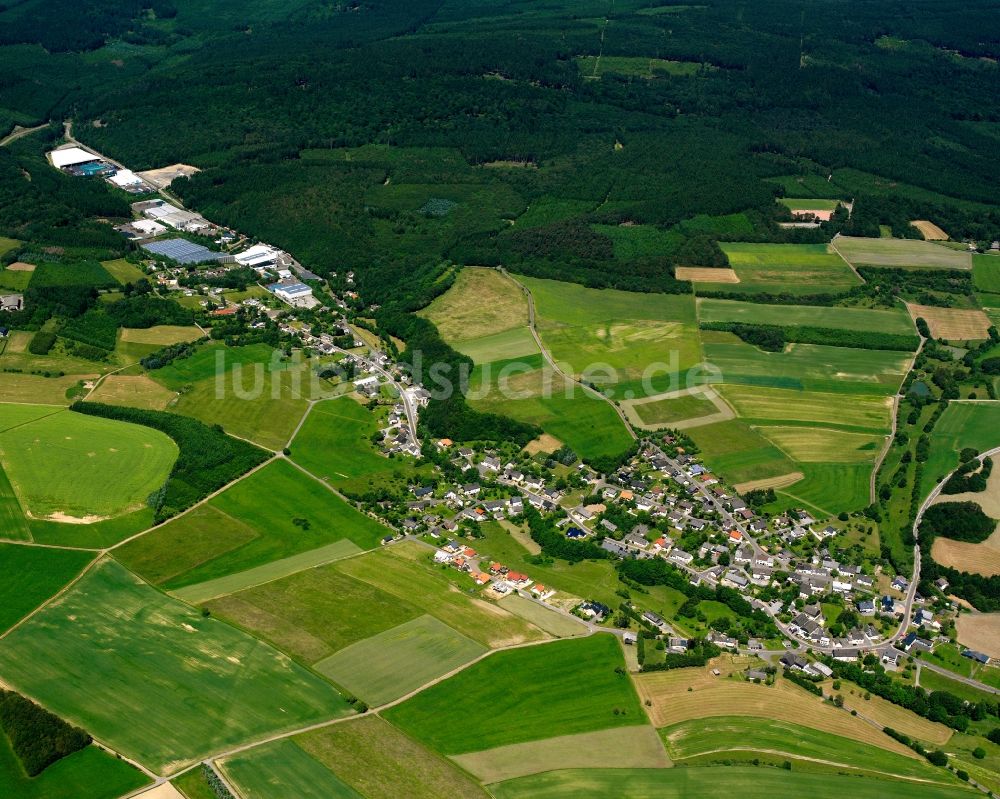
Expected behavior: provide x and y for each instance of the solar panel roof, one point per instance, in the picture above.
(182, 251)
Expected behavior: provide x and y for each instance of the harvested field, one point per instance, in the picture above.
(929, 230)
(544, 443)
(626, 747)
(781, 481)
(482, 302)
(161, 335)
(953, 324)
(900, 252)
(982, 558)
(672, 703)
(980, 631)
(825, 445)
(778, 405)
(136, 391)
(35, 388)
(885, 713)
(706, 274)
(21, 266)
(988, 500)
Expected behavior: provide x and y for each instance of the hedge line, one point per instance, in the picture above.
(774, 337)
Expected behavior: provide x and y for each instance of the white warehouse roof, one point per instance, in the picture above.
(258, 255)
(71, 156)
(125, 177)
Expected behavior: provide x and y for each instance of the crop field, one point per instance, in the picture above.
(161, 335)
(106, 468)
(32, 575)
(35, 388)
(90, 773)
(380, 762)
(674, 409)
(14, 279)
(929, 230)
(953, 324)
(741, 453)
(723, 736)
(543, 618)
(401, 571)
(154, 678)
(393, 663)
(706, 274)
(886, 714)
(315, 612)
(625, 331)
(335, 444)
(986, 273)
(123, 271)
(622, 747)
(136, 391)
(528, 685)
(963, 424)
(282, 770)
(789, 268)
(717, 782)
(877, 321)
(859, 412)
(982, 558)
(482, 302)
(912, 253)
(13, 525)
(825, 445)
(515, 343)
(981, 631)
(710, 696)
(250, 524)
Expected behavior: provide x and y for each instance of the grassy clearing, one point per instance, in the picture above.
(482, 302)
(39, 389)
(639, 241)
(275, 570)
(14, 280)
(13, 525)
(934, 681)
(823, 445)
(794, 268)
(250, 524)
(31, 576)
(161, 335)
(878, 321)
(809, 204)
(106, 468)
(624, 747)
(672, 703)
(595, 67)
(380, 762)
(859, 412)
(194, 785)
(528, 685)
(136, 391)
(90, 773)
(393, 663)
(986, 273)
(725, 736)
(281, 770)
(123, 271)
(515, 343)
(828, 488)
(674, 409)
(543, 618)
(335, 444)
(152, 677)
(712, 783)
(973, 424)
(547, 210)
(313, 613)
(901, 252)
(886, 714)
(740, 452)
(402, 571)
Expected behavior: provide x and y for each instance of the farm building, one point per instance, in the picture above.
(182, 251)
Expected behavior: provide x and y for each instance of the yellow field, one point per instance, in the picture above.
(672, 702)
(781, 481)
(482, 302)
(824, 445)
(161, 334)
(886, 714)
(952, 324)
(929, 230)
(137, 391)
(706, 274)
(780, 404)
(625, 747)
(982, 558)
(980, 631)
(21, 266)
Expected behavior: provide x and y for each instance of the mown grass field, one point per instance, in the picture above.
(530, 686)
(809, 204)
(154, 678)
(334, 443)
(825, 445)
(250, 524)
(135, 391)
(380, 762)
(858, 412)
(744, 736)
(739, 452)
(90, 773)
(885, 713)
(622, 747)
(123, 271)
(672, 703)
(986, 273)
(674, 409)
(787, 268)
(106, 467)
(33, 574)
(878, 321)
(482, 302)
(594, 66)
(39, 389)
(281, 770)
(14, 280)
(404, 571)
(13, 525)
(713, 783)
(912, 253)
(514, 343)
(973, 424)
(543, 618)
(393, 663)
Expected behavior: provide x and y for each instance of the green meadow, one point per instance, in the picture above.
(972, 424)
(740, 453)
(154, 678)
(31, 575)
(106, 468)
(675, 409)
(530, 688)
(13, 525)
(986, 273)
(809, 204)
(912, 253)
(786, 268)
(877, 321)
(273, 514)
(393, 663)
(282, 770)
